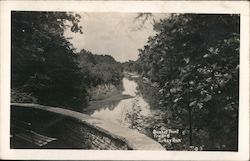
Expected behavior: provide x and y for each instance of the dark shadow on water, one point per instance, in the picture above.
(100, 105)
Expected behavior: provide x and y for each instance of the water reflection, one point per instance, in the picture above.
(129, 87)
(103, 105)
(128, 112)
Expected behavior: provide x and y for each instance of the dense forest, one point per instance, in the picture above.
(194, 60)
(47, 70)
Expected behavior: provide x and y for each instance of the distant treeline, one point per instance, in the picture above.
(101, 69)
(194, 59)
(45, 67)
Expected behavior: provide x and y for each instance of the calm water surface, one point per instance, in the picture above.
(128, 112)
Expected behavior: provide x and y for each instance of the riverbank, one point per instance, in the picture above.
(135, 107)
(148, 90)
(95, 105)
(104, 91)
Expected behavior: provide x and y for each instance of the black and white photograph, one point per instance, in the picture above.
(124, 81)
(131, 81)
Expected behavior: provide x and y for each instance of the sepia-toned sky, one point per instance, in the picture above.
(115, 34)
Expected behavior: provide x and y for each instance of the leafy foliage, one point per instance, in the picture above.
(101, 69)
(43, 61)
(45, 67)
(195, 61)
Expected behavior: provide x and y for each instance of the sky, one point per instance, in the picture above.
(114, 34)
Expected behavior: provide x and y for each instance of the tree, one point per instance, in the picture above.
(43, 61)
(196, 63)
(101, 69)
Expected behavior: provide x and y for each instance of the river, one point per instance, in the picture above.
(133, 112)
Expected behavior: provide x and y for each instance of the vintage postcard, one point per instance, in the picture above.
(125, 80)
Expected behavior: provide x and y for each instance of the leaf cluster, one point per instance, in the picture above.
(195, 60)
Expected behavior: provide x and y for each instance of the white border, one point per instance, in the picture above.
(241, 7)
